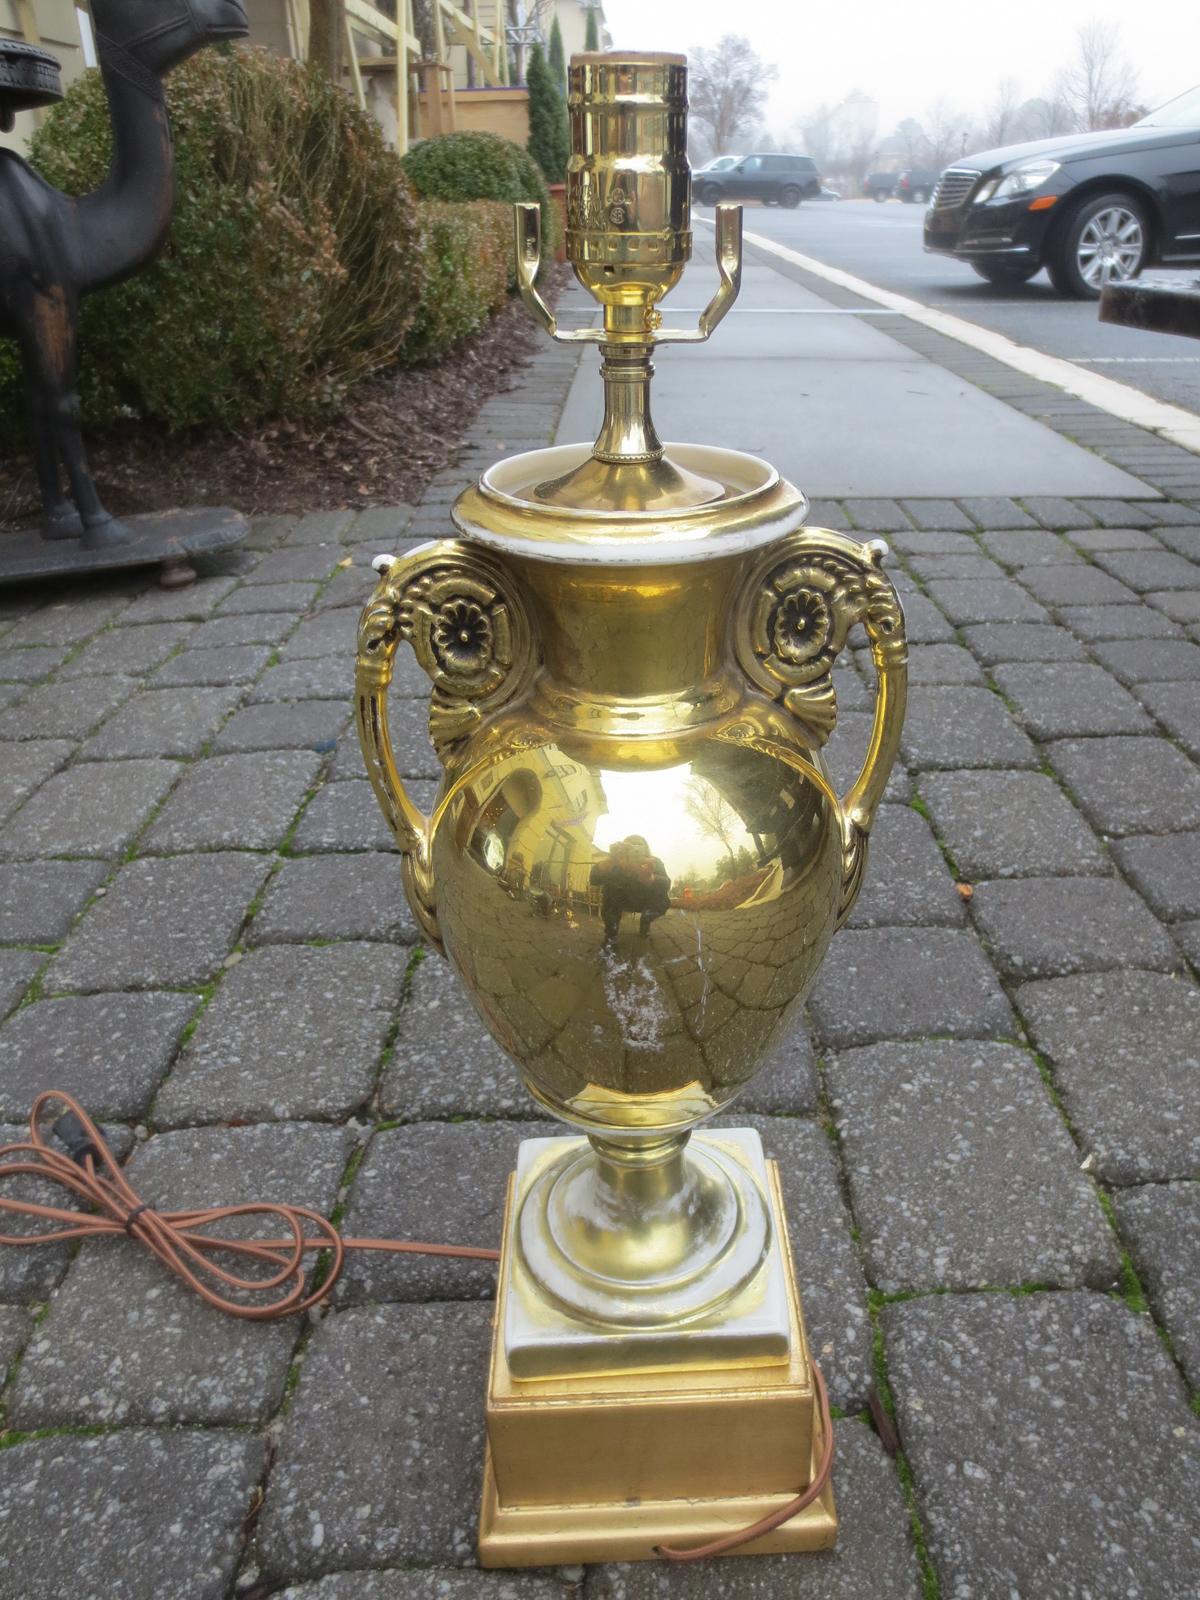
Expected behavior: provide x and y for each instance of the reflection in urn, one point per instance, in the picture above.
(638, 988)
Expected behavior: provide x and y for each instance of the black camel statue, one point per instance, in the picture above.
(54, 249)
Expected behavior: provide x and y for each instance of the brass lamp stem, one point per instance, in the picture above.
(627, 433)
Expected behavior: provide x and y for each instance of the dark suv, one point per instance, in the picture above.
(773, 179)
(879, 185)
(915, 185)
(1089, 207)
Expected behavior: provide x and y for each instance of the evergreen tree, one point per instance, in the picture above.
(558, 60)
(548, 136)
(591, 37)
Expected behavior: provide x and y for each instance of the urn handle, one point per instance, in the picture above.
(794, 614)
(467, 623)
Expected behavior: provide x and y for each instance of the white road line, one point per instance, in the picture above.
(1136, 361)
(1118, 399)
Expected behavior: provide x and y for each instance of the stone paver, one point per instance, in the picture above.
(345, 816)
(51, 711)
(291, 1032)
(1009, 824)
(394, 1384)
(1099, 623)
(243, 802)
(92, 809)
(1125, 1051)
(149, 1534)
(17, 970)
(1126, 785)
(905, 983)
(299, 725)
(1048, 927)
(961, 1172)
(131, 651)
(967, 600)
(336, 897)
(964, 727)
(1065, 698)
(1151, 660)
(124, 1342)
(24, 766)
(1177, 707)
(433, 1583)
(163, 722)
(445, 1061)
(108, 1050)
(1165, 871)
(1074, 585)
(1022, 641)
(1161, 1226)
(39, 899)
(235, 663)
(907, 880)
(1011, 1403)
(15, 1327)
(162, 924)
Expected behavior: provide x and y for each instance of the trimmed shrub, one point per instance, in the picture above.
(480, 166)
(468, 265)
(591, 31)
(294, 264)
(549, 138)
(557, 59)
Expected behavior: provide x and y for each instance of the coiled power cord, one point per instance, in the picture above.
(181, 1242)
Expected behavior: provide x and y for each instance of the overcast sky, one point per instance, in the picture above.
(906, 54)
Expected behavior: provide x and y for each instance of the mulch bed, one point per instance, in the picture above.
(397, 430)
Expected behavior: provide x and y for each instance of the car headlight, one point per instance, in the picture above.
(1021, 180)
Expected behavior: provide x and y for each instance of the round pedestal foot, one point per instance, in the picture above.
(644, 1234)
(176, 574)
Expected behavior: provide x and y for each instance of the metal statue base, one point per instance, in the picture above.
(605, 1466)
(168, 538)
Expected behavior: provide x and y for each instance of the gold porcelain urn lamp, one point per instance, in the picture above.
(635, 863)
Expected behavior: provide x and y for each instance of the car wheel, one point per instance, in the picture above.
(708, 194)
(789, 197)
(879, 197)
(1106, 239)
(1007, 273)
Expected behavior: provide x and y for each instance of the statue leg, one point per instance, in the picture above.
(60, 520)
(54, 347)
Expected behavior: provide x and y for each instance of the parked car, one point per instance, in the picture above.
(915, 185)
(717, 164)
(880, 185)
(773, 179)
(1089, 207)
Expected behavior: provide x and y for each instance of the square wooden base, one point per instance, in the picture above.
(606, 1467)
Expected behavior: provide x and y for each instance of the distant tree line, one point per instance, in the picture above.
(728, 90)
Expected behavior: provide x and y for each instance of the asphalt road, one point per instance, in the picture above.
(882, 243)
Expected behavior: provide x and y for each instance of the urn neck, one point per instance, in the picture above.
(636, 634)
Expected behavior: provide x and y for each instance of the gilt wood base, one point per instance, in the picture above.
(604, 1468)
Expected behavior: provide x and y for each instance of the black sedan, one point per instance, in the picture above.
(1089, 207)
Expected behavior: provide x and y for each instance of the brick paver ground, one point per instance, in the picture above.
(987, 1122)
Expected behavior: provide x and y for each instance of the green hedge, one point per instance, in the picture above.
(295, 260)
(481, 166)
(468, 263)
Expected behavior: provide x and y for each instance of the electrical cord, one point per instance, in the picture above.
(179, 1240)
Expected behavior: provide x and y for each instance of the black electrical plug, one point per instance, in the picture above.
(69, 1130)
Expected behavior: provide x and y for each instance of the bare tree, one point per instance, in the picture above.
(948, 133)
(1100, 89)
(1000, 126)
(909, 141)
(713, 815)
(727, 88)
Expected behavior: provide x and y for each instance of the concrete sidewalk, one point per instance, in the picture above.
(987, 1119)
(828, 395)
